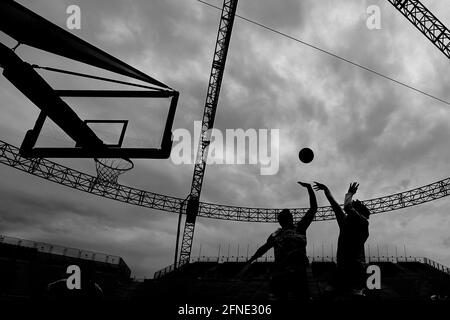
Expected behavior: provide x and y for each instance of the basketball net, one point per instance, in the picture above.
(109, 169)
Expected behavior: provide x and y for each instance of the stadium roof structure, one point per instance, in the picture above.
(52, 171)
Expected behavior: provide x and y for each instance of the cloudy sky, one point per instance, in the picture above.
(360, 126)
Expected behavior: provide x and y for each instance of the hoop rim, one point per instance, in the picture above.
(127, 160)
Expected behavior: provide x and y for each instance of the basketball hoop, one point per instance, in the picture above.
(109, 169)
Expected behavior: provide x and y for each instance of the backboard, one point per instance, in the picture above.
(107, 138)
(32, 30)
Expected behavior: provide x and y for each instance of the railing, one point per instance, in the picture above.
(369, 259)
(437, 265)
(63, 251)
(161, 273)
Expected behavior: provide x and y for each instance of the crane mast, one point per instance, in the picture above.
(426, 22)
(212, 98)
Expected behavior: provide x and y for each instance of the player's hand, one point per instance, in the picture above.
(304, 184)
(353, 187)
(319, 186)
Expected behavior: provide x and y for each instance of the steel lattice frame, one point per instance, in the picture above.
(426, 22)
(209, 115)
(49, 170)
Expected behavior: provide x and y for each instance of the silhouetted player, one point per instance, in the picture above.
(353, 233)
(289, 243)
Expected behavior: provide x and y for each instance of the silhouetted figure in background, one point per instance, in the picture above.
(289, 243)
(353, 233)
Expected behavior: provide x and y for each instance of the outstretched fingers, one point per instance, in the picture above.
(304, 184)
(319, 186)
(353, 187)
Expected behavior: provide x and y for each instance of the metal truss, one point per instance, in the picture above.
(49, 170)
(212, 97)
(426, 22)
(209, 114)
(54, 172)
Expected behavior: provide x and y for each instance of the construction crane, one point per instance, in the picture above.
(209, 114)
(426, 22)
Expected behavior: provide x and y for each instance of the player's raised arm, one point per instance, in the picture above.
(340, 215)
(309, 216)
(348, 203)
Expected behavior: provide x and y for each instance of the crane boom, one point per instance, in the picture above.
(426, 22)
(209, 114)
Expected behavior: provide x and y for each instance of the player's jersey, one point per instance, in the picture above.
(353, 234)
(290, 248)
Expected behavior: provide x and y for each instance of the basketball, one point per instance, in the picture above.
(306, 155)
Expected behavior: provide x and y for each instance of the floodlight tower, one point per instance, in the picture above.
(209, 114)
(426, 22)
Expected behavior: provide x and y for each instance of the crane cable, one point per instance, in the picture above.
(332, 55)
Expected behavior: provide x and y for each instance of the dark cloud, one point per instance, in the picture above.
(286, 15)
(446, 242)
